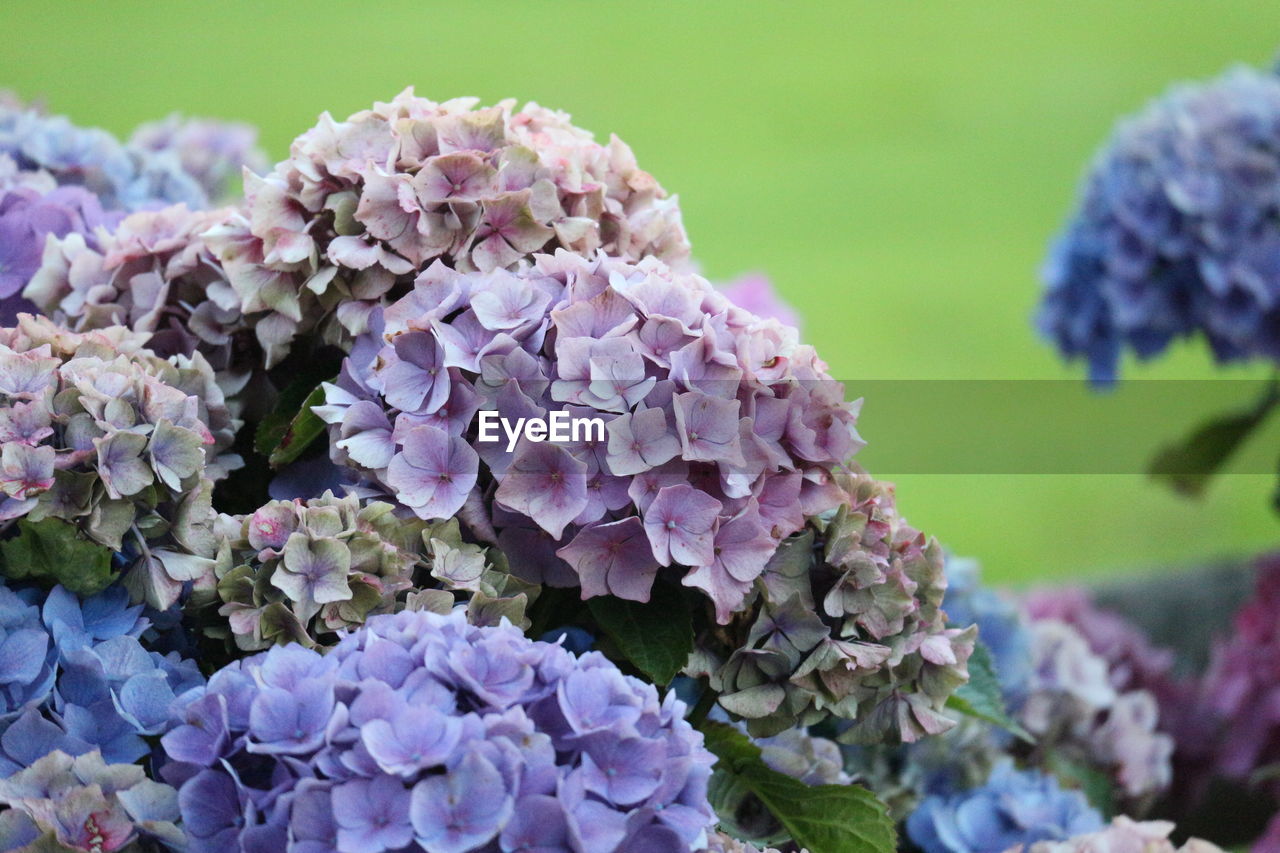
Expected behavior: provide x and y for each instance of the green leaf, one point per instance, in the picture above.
(51, 550)
(1093, 783)
(656, 636)
(304, 428)
(821, 818)
(1188, 465)
(980, 697)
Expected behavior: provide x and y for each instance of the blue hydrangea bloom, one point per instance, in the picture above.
(421, 732)
(123, 177)
(75, 676)
(1000, 626)
(1013, 808)
(1177, 231)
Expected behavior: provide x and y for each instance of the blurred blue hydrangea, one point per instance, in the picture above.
(75, 676)
(1000, 626)
(1013, 808)
(124, 177)
(1177, 232)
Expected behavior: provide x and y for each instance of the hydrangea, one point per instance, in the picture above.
(1001, 625)
(723, 440)
(1013, 808)
(213, 152)
(123, 177)
(422, 732)
(1074, 705)
(801, 755)
(33, 207)
(154, 273)
(1242, 685)
(84, 803)
(362, 205)
(721, 432)
(1124, 835)
(1176, 231)
(847, 623)
(100, 433)
(76, 678)
(296, 571)
(1133, 662)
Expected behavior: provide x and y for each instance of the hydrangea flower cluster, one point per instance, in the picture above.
(722, 843)
(297, 571)
(75, 678)
(302, 571)
(1014, 808)
(847, 624)
(213, 152)
(84, 803)
(422, 732)
(154, 274)
(1176, 231)
(1124, 835)
(98, 432)
(123, 177)
(1242, 686)
(362, 205)
(722, 431)
(1074, 704)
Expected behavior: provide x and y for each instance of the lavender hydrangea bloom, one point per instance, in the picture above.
(1176, 231)
(86, 803)
(211, 151)
(77, 678)
(1013, 808)
(722, 430)
(99, 432)
(363, 205)
(121, 176)
(422, 732)
(1072, 701)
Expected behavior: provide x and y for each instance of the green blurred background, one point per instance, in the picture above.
(896, 168)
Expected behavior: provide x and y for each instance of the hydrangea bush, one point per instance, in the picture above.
(362, 205)
(421, 731)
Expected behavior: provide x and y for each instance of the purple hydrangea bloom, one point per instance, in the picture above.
(77, 677)
(1242, 686)
(1176, 231)
(363, 205)
(697, 439)
(420, 731)
(1013, 808)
